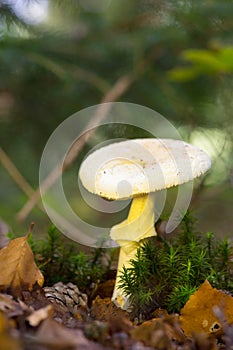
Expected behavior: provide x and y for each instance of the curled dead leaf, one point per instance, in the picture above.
(10, 307)
(40, 315)
(18, 269)
(199, 316)
(54, 335)
(159, 332)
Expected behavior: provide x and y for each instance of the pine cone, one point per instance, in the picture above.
(68, 297)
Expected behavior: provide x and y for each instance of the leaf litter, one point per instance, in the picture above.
(59, 317)
(18, 269)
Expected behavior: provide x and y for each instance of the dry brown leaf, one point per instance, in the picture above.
(55, 336)
(105, 309)
(198, 314)
(159, 332)
(18, 269)
(10, 307)
(35, 299)
(40, 315)
(203, 341)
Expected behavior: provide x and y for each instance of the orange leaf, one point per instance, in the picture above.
(18, 270)
(198, 314)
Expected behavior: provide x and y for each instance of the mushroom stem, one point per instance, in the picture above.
(138, 225)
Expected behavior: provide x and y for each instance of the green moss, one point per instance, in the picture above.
(166, 272)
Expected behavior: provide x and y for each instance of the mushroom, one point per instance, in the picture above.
(137, 169)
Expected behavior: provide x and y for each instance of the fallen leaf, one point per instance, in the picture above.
(105, 309)
(6, 339)
(3, 323)
(119, 324)
(105, 289)
(160, 333)
(18, 269)
(36, 298)
(55, 336)
(97, 331)
(7, 342)
(40, 315)
(199, 316)
(9, 306)
(202, 341)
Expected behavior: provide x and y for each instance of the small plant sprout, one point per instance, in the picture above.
(138, 169)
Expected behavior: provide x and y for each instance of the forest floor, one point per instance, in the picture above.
(58, 317)
(41, 316)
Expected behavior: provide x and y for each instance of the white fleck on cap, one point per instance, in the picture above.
(139, 166)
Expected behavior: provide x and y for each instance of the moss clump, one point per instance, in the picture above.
(166, 272)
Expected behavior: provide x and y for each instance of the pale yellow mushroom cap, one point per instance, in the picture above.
(134, 167)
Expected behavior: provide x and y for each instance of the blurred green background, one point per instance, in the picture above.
(58, 57)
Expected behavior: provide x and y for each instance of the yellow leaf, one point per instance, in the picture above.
(207, 59)
(183, 74)
(3, 323)
(18, 270)
(6, 340)
(199, 313)
(207, 62)
(9, 343)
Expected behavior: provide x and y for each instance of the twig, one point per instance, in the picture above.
(31, 227)
(16, 175)
(118, 89)
(63, 71)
